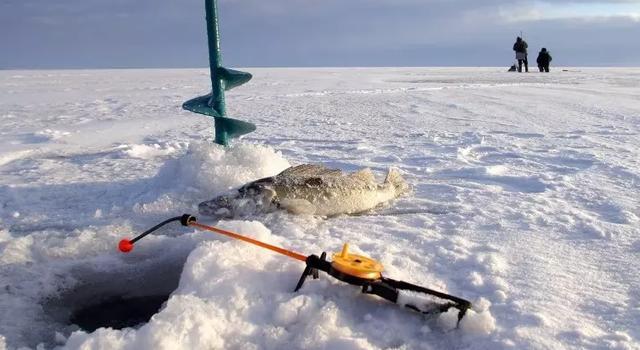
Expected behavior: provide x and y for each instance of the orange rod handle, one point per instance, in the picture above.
(252, 241)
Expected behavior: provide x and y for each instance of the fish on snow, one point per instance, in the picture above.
(308, 189)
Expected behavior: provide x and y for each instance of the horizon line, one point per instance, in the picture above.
(280, 67)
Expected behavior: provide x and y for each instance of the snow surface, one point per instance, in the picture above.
(525, 201)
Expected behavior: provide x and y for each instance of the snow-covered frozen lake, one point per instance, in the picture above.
(525, 201)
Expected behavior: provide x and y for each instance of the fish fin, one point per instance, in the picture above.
(263, 181)
(298, 206)
(256, 185)
(365, 175)
(394, 178)
(309, 170)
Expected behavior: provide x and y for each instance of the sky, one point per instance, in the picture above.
(43, 34)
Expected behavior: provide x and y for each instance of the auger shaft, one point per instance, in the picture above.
(215, 58)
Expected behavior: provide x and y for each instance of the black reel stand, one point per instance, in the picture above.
(383, 287)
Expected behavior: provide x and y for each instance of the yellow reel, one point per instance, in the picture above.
(356, 265)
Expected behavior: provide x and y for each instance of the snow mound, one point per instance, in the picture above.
(212, 168)
(150, 151)
(227, 282)
(223, 282)
(205, 170)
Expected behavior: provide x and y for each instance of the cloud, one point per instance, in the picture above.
(587, 10)
(171, 33)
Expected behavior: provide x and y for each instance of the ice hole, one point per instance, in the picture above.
(118, 312)
(125, 297)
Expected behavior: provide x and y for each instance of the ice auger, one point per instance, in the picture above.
(347, 267)
(222, 79)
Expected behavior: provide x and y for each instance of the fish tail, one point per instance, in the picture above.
(394, 178)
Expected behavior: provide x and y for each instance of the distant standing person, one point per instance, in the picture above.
(544, 58)
(520, 47)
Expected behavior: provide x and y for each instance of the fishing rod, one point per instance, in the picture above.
(351, 268)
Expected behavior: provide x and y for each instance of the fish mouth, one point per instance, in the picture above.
(243, 204)
(220, 207)
(251, 199)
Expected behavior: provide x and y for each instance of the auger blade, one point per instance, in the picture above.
(225, 128)
(201, 105)
(232, 128)
(232, 78)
